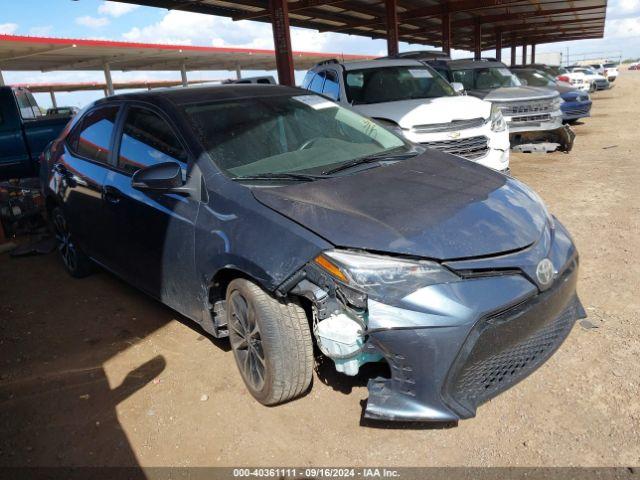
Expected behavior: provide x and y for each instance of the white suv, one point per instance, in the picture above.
(414, 100)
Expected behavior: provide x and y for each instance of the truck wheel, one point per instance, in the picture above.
(271, 343)
(75, 261)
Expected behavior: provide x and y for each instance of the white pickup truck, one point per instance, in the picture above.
(412, 99)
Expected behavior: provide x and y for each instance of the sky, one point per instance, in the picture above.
(105, 20)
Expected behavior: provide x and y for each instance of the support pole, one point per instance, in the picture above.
(499, 45)
(53, 98)
(513, 54)
(238, 71)
(1, 79)
(477, 41)
(524, 54)
(392, 27)
(282, 40)
(108, 80)
(446, 33)
(533, 53)
(183, 75)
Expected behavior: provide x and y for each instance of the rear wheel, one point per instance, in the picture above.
(75, 261)
(271, 343)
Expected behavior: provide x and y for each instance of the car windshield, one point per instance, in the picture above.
(536, 79)
(286, 134)
(610, 65)
(392, 84)
(485, 78)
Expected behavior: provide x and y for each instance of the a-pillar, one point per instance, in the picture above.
(282, 41)
(107, 78)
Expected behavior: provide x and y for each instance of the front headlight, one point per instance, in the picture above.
(382, 277)
(498, 123)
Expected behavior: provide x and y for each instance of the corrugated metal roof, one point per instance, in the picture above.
(533, 21)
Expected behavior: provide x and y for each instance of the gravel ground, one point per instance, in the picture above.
(93, 372)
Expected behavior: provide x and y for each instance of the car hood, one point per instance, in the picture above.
(433, 206)
(508, 94)
(427, 111)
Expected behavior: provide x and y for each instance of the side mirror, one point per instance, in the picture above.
(161, 177)
(523, 82)
(458, 88)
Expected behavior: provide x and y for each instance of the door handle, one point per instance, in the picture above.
(111, 195)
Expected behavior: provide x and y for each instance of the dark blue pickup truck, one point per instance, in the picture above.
(24, 132)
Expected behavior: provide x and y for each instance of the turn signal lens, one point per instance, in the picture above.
(330, 268)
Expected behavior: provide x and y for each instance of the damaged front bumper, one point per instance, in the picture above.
(453, 346)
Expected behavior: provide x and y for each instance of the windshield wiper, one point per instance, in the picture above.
(378, 157)
(282, 176)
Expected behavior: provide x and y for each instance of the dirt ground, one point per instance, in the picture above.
(92, 372)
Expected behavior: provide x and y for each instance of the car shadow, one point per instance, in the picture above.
(58, 408)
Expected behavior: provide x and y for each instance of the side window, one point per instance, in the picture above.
(92, 139)
(146, 140)
(331, 86)
(26, 109)
(317, 82)
(307, 79)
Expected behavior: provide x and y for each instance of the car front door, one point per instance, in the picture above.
(155, 230)
(79, 175)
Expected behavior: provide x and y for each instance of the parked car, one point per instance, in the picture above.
(607, 70)
(262, 79)
(634, 66)
(67, 111)
(576, 80)
(532, 113)
(597, 81)
(575, 105)
(414, 101)
(282, 219)
(24, 132)
(611, 71)
(553, 70)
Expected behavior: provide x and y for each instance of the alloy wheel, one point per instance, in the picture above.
(65, 244)
(246, 341)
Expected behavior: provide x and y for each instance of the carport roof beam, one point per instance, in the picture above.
(418, 20)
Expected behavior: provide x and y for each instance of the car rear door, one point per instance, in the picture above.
(155, 231)
(78, 176)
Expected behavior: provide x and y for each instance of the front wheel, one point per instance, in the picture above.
(75, 261)
(271, 343)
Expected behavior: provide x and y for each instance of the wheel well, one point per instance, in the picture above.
(222, 279)
(220, 282)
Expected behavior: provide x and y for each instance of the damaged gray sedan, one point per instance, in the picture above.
(283, 221)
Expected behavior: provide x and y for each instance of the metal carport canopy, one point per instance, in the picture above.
(421, 21)
(22, 53)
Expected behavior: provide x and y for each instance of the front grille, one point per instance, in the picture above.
(470, 148)
(531, 118)
(528, 109)
(503, 349)
(450, 126)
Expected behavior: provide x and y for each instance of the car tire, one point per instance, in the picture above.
(271, 343)
(75, 261)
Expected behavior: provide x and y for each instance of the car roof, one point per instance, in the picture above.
(200, 93)
(382, 63)
(468, 64)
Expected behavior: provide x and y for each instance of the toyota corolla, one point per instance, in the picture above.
(283, 221)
